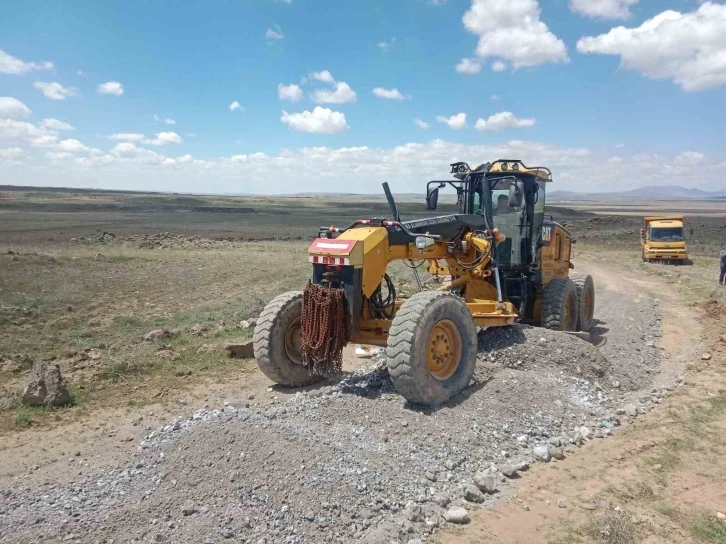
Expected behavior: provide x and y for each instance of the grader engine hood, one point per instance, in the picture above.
(354, 261)
(364, 249)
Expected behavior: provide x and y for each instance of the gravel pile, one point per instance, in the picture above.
(352, 460)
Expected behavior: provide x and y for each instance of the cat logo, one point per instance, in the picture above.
(547, 234)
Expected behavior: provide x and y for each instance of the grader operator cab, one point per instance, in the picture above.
(498, 261)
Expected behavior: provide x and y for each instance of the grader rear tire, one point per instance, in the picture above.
(432, 348)
(586, 301)
(277, 342)
(560, 305)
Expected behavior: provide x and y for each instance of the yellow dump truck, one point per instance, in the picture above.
(663, 239)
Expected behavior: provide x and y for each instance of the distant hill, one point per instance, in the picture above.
(668, 192)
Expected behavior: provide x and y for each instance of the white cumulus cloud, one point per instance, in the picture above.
(390, 94)
(234, 106)
(457, 121)
(127, 137)
(12, 154)
(499, 66)
(111, 87)
(320, 120)
(55, 124)
(503, 119)
(59, 155)
(166, 120)
(689, 158)
(324, 76)
(126, 150)
(512, 30)
(274, 33)
(12, 107)
(45, 140)
(72, 146)
(688, 48)
(603, 9)
(468, 66)
(340, 94)
(13, 65)
(421, 124)
(54, 90)
(128, 166)
(14, 131)
(165, 138)
(289, 92)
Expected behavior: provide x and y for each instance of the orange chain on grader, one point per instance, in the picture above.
(496, 261)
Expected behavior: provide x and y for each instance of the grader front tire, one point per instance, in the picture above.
(277, 342)
(586, 301)
(432, 348)
(560, 305)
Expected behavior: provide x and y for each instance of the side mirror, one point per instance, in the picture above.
(432, 199)
(516, 194)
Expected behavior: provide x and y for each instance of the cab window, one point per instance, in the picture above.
(477, 202)
(511, 222)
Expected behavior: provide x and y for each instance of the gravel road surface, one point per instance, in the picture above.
(352, 460)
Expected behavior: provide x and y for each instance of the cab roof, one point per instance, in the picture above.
(516, 166)
(667, 223)
(510, 167)
(663, 221)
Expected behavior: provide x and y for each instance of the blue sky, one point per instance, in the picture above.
(639, 105)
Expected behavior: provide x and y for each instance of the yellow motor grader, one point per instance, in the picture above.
(500, 260)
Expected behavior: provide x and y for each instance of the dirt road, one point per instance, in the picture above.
(660, 480)
(352, 461)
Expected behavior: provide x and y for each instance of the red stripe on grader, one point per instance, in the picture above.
(327, 245)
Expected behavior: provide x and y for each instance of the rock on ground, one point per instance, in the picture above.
(241, 350)
(46, 386)
(457, 514)
(541, 453)
(159, 333)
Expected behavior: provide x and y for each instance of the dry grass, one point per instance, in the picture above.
(613, 528)
(71, 301)
(708, 528)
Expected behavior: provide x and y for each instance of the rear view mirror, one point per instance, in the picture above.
(516, 194)
(432, 199)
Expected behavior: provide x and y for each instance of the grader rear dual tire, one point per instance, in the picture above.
(560, 305)
(432, 348)
(585, 287)
(277, 342)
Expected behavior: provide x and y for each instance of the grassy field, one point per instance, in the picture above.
(69, 293)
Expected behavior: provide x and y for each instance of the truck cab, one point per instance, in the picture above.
(663, 239)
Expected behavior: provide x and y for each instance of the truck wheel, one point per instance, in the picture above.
(586, 301)
(560, 305)
(432, 348)
(277, 342)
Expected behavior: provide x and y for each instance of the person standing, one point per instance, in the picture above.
(723, 267)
